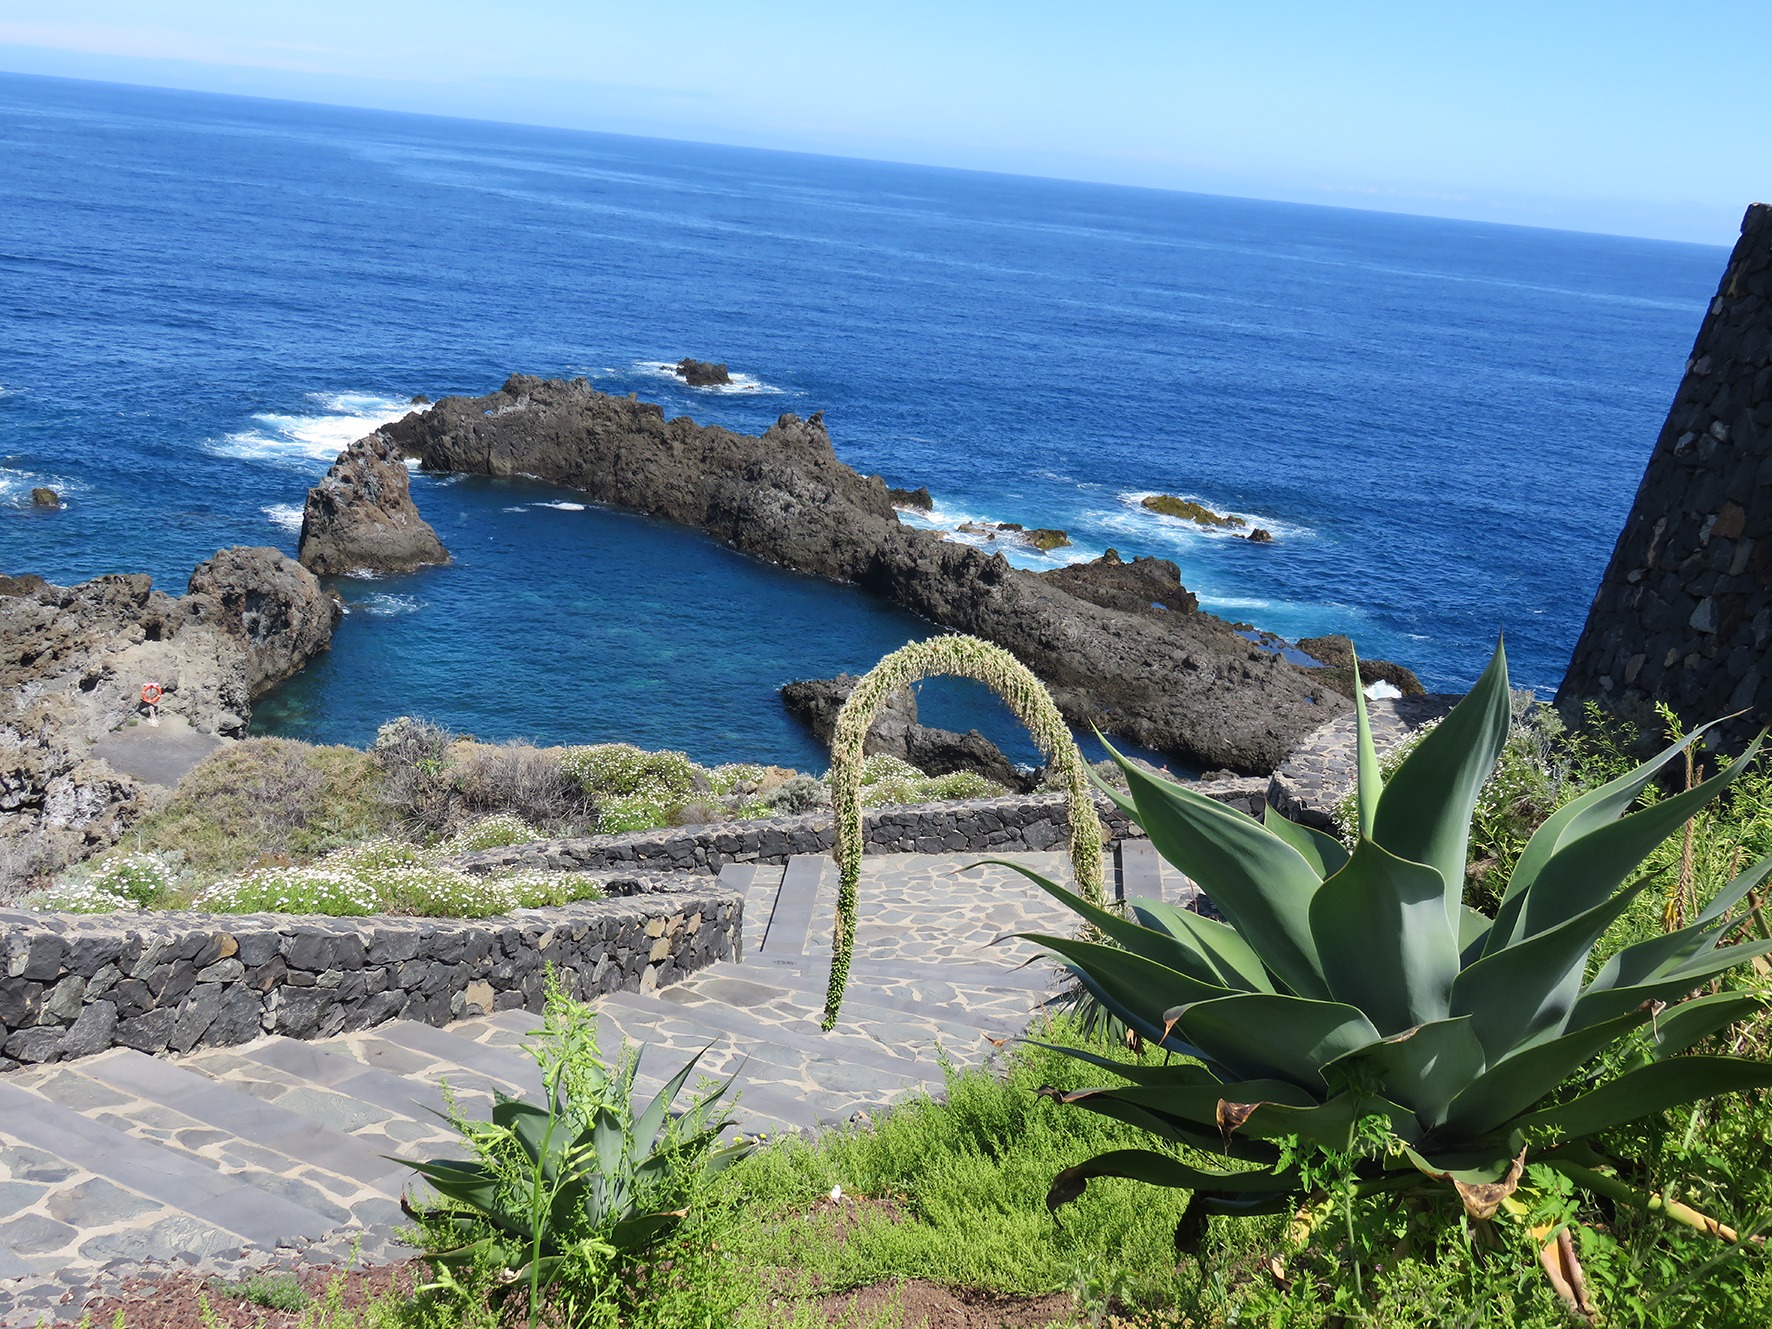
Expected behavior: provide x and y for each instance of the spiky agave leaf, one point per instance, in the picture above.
(1345, 984)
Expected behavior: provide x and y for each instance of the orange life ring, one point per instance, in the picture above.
(151, 694)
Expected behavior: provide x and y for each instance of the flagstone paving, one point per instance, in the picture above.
(285, 1150)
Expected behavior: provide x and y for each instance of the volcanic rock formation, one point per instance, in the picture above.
(1337, 654)
(74, 661)
(897, 732)
(361, 516)
(1184, 684)
(701, 374)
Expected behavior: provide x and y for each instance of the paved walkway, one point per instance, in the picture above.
(228, 1154)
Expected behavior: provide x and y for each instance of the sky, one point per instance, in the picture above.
(1624, 117)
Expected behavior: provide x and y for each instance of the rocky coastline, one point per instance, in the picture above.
(1178, 681)
(79, 760)
(361, 516)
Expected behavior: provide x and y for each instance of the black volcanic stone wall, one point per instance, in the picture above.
(73, 985)
(1684, 612)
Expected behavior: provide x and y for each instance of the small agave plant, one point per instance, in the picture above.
(1350, 985)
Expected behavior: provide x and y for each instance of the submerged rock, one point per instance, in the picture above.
(1183, 684)
(1337, 654)
(361, 515)
(918, 498)
(44, 497)
(1043, 538)
(897, 733)
(75, 660)
(701, 374)
(1171, 506)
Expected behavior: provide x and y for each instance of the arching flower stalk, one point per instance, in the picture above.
(1022, 692)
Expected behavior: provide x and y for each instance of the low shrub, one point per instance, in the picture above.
(498, 831)
(520, 780)
(264, 797)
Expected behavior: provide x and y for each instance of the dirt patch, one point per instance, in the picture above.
(176, 1300)
(932, 1306)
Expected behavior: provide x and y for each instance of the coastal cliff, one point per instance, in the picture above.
(1184, 683)
(361, 516)
(77, 765)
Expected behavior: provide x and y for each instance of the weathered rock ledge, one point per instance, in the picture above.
(1184, 683)
(361, 516)
(74, 660)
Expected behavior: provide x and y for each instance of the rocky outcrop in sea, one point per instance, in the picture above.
(361, 516)
(74, 662)
(897, 732)
(1182, 683)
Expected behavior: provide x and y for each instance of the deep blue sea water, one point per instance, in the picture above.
(203, 298)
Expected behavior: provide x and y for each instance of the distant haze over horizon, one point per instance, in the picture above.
(1584, 118)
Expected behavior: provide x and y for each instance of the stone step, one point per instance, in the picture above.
(445, 1056)
(887, 1017)
(177, 1180)
(791, 919)
(1141, 870)
(798, 1086)
(306, 1144)
(758, 883)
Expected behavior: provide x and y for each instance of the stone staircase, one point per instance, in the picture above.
(121, 1159)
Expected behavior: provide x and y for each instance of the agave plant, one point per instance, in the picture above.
(582, 1166)
(1345, 986)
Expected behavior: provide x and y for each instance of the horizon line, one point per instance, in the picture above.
(842, 157)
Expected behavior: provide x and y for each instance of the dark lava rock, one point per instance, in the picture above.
(1143, 586)
(75, 659)
(1183, 684)
(419, 399)
(917, 498)
(701, 374)
(1261, 536)
(361, 516)
(1043, 538)
(1337, 654)
(43, 497)
(896, 732)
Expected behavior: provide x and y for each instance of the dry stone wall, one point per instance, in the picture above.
(1684, 612)
(1032, 822)
(74, 985)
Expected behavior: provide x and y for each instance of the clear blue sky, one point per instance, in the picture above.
(1637, 118)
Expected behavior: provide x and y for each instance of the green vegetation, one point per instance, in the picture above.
(1021, 691)
(264, 798)
(275, 1292)
(1188, 510)
(1354, 1030)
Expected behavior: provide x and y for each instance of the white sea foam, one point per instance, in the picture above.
(563, 506)
(16, 484)
(341, 418)
(517, 508)
(741, 383)
(389, 606)
(949, 521)
(284, 516)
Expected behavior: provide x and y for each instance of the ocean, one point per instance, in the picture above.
(203, 298)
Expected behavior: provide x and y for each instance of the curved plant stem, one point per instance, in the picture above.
(1015, 683)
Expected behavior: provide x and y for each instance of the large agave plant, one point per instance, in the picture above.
(1345, 985)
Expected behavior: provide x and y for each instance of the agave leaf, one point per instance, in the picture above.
(642, 1230)
(1422, 1068)
(1197, 1104)
(1576, 818)
(1693, 1021)
(1231, 958)
(1589, 867)
(471, 1184)
(1649, 1089)
(1473, 934)
(1261, 884)
(1262, 1035)
(1368, 777)
(1510, 1086)
(1200, 1135)
(1175, 952)
(1665, 952)
(1137, 990)
(1329, 1124)
(650, 1123)
(1161, 1170)
(1156, 1075)
(1323, 852)
(1484, 1169)
(1425, 813)
(1532, 986)
(1601, 1004)
(1384, 939)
